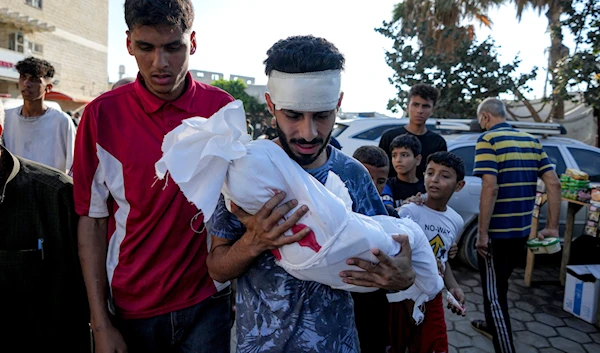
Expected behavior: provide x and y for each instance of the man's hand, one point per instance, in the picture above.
(108, 339)
(453, 251)
(482, 244)
(263, 231)
(546, 233)
(416, 199)
(460, 297)
(390, 273)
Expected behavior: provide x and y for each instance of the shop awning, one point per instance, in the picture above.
(24, 22)
(60, 96)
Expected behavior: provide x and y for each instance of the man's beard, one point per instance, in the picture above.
(302, 159)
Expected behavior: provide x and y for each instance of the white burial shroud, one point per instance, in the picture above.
(207, 157)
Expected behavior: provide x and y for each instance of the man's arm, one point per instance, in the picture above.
(93, 246)
(228, 260)
(487, 201)
(554, 198)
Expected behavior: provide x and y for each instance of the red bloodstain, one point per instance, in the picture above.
(277, 254)
(310, 240)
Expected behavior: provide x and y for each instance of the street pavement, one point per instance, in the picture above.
(538, 320)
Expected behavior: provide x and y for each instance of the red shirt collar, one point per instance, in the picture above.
(152, 103)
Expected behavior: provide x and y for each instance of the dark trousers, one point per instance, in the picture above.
(204, 327)
(371, 315)
(495, 270)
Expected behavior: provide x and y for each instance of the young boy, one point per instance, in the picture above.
(406, 157)
(444, 175)
(376, 161)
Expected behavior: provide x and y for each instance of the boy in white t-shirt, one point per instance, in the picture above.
(444, 175)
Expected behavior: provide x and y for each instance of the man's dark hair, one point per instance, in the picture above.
(35, 67)
(450, 160)
(371, 155)
(406, 141)
(299, 54)
(159, 12)
(424, 91)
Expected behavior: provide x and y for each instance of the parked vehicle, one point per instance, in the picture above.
(356, 132)
(461, 137)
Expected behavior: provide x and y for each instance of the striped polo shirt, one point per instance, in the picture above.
(516, 159)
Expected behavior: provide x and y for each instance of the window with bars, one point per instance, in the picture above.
(16, 42)
(35, 47)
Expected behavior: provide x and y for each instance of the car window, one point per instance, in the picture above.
(467, 153)
(588, 161)
(556, 158)
(338, 129)
(374, 133)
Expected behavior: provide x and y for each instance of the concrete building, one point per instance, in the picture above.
(206, 76)
(70, 34)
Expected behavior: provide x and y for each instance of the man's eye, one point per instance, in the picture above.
(145, 48)
(173, 48)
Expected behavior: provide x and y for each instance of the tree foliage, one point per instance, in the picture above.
(581, 70)
(237, 88)
(465, 72)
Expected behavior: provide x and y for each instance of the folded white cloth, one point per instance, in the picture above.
(206, 157)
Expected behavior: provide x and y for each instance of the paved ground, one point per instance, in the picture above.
(538, 320)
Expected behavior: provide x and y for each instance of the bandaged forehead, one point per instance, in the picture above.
(305, 92)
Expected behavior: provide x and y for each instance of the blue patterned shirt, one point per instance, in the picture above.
(276, 312)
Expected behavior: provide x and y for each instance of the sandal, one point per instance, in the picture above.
(482, 327)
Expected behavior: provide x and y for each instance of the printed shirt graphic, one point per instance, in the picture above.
(441, 228)
(517, 160)
(276, 312)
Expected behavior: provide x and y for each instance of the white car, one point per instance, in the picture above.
(357, 132)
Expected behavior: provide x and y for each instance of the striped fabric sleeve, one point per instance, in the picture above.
(485, 158)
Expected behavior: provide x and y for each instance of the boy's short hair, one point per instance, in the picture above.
(172, 13)
(408, 141)
(450, 160)
(371, 155)
(424, 91)
(299, 54)
(35, 67)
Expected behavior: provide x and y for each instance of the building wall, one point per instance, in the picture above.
(77, 47)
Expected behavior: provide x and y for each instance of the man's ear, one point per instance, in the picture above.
(270, 105)
(419, 158)
(193, 43)
(129, 44)
(49, 87)
(459, 186)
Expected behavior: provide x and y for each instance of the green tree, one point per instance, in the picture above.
(581, 70)
(255, 111)
(465, 71)
(441, 20)
(558, 51)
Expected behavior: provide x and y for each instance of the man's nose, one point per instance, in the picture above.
(161, 59)
(308, 130)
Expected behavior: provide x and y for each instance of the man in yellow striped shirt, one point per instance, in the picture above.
(509, 162)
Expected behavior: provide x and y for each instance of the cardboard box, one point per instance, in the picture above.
(581, 291)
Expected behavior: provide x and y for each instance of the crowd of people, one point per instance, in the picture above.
(94, 256)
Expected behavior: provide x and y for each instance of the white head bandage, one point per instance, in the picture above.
(306, 92)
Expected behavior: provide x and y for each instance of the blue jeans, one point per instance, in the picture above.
(204, 327)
